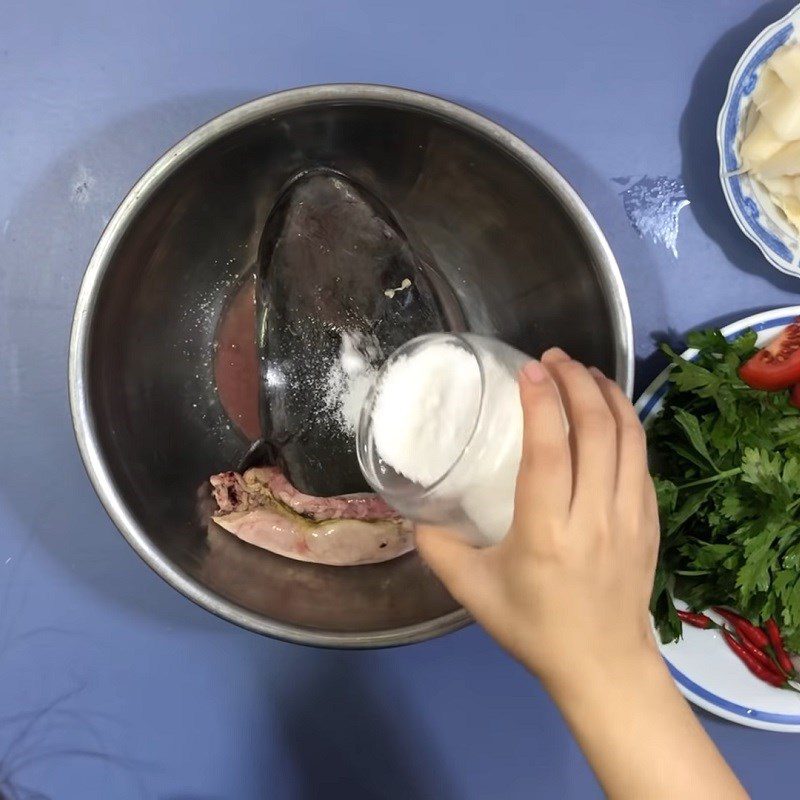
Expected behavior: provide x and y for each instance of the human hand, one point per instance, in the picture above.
(567, 591)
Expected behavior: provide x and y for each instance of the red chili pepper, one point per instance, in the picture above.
(744, 627)
(776, 640)
(696, 620)
(766, 674)
(759, 655)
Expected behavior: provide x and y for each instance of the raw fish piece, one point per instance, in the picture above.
(241, 492)
(329, 253)
(262, 508)
(337, 543)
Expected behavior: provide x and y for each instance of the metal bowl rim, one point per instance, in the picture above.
(237, 118)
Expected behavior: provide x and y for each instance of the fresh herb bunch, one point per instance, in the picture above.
(726, 464)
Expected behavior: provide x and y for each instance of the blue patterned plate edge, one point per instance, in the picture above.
(766, 324)
(778, 247)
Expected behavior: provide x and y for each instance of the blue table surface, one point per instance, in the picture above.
(112, 685)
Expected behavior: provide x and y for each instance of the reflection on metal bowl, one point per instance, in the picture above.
(521, 253)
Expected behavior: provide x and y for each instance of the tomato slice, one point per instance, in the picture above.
(794, 396)
(777, 366)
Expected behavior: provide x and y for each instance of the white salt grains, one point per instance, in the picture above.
(425, 411)
(435, 421)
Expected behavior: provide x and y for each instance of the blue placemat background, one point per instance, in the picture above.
(114, 686)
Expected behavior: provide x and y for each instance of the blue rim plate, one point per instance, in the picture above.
(752, 209)
(706, 672)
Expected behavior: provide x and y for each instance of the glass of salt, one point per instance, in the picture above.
(440, 433)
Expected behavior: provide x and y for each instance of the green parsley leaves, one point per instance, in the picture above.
(726, 464)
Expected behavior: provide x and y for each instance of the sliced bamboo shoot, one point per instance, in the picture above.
(785, 162)
(759, 145)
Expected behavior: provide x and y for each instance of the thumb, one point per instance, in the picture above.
(459, 566)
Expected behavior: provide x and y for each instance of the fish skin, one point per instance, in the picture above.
(336, 543)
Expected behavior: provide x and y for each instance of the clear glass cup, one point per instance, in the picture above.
(475, 493)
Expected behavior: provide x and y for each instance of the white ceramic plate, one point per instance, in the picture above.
(706, 671)
(753, 210)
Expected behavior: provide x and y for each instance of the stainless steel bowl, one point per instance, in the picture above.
(520, 250)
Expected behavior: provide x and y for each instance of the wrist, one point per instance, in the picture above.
(632, 724)
(602, 676)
